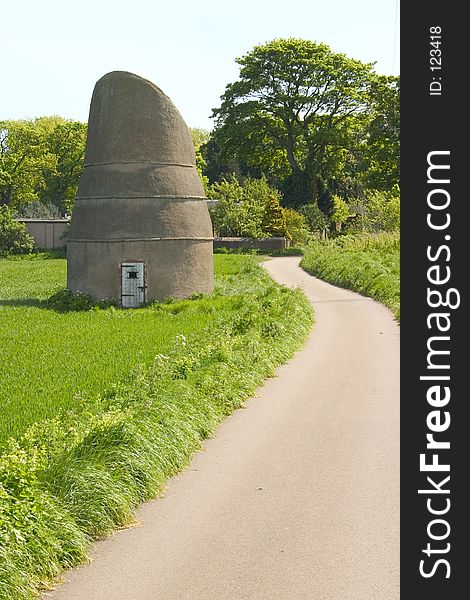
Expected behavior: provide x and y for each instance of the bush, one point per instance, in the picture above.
(340, 213)
(274, 222)
(68, 301)
(317, 222)
(14, 237)
(39, 210)
(296, 226)
(250, 208)
(379, 211)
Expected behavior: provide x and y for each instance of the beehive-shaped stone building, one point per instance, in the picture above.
(140, 229)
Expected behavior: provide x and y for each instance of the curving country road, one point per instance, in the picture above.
(297, 497)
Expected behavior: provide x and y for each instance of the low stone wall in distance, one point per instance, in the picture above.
(46, 233)
(234, 243)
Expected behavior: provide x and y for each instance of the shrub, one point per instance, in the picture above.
(39, 210)
(250, 208)
(200, 137)
(296, 226)
(66, 300)
(379, 211)
(274, 221)
(14, 238)
(317, 222)
(340, 212)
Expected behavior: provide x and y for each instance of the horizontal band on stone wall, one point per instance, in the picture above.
(140, 218)
(139, 162)
(121, 177)
(149, 196)
(147, 239)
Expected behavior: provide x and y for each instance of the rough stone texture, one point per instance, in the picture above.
(140, 197)
(100, 272)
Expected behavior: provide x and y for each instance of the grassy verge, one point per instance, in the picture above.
(369, 264)
(78, 475)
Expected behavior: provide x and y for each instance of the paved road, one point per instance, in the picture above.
(298, 495)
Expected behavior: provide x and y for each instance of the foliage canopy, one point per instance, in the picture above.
(296, 111)
(41, 159)
(250, 208)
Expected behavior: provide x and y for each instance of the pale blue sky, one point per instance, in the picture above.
(55, 50)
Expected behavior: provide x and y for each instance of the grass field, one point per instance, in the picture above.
(153, 383)
(368, 264)
(48, 360)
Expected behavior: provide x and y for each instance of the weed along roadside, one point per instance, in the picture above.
(79, 452)
(367, 263)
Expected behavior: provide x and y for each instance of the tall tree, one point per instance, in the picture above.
(66, 142)
(382, 152)
(291, 109)
(24, 158)
(41, 159)
(200, 137)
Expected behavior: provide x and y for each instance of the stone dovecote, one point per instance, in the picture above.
(140, 211)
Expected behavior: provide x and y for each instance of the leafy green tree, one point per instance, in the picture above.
(296, 226)
(290, 111)
(250, 208)
(24, 159)
(340, 212)
(41, 159)
(200, 137)
(378, 211)
(380, 155)
(218, 167)
(66, 141)
(317, 221)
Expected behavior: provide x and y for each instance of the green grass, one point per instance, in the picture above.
(49, 360)
(79, 474)
(368, 264)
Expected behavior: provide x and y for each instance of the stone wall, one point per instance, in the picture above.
(233, 243)
(46, 233)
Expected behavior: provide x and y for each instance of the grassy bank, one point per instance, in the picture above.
(79, 474)
(368, 264)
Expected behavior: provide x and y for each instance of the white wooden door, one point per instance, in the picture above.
(132, 285)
